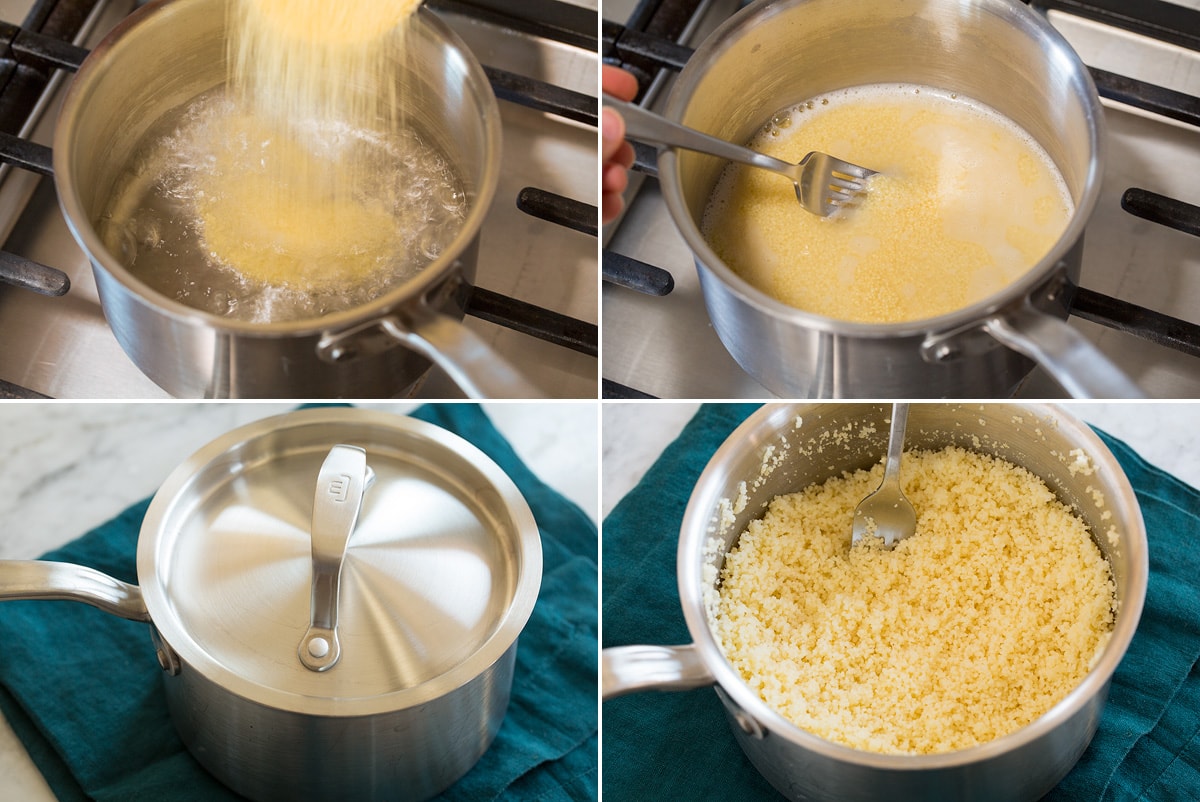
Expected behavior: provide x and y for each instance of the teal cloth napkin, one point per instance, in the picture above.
(83, 690)
(678, 746)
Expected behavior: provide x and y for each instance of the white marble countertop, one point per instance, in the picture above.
(66, 468)
(1165, 434)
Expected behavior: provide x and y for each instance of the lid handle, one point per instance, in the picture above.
(341, 484)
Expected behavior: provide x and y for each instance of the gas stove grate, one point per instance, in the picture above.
(25, 76)
(32, 52)
(634, 47)
(1160, 209)
(1166, 22)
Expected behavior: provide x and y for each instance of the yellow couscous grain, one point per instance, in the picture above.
(968, 630)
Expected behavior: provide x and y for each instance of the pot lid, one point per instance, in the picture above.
(440, 571)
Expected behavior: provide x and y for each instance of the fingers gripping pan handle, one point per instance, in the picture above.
(341, 483)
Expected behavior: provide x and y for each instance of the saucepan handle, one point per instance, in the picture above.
(1069, 357)
(626, 669)
(469, 362)
(43, 579)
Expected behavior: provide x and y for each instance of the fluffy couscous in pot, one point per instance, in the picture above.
(845, 678)
(976, 625)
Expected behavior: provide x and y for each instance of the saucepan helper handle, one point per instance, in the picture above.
(1069, 357)
(626, 669)
(43, 579)
(341, 483)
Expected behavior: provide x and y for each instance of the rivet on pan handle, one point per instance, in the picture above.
(341, 483)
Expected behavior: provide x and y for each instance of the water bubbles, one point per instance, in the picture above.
(149, 236)
(223, 302)
(194, 164)
(428, 244)
(779, 123)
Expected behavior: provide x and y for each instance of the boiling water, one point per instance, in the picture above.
(200, 215)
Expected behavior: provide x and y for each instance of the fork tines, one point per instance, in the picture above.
(846, 182)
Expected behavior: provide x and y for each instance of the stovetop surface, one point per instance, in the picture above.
(62, 347)
(666, 347)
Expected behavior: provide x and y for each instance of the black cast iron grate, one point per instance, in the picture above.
(635, 46)
(32, 51)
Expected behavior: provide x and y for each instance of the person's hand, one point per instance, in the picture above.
(616, 153)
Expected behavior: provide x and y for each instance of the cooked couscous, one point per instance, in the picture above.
(970, 629)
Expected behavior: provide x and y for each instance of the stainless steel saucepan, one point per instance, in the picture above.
(334, 596)
(160, 58)
(764, 458)
(777, 53)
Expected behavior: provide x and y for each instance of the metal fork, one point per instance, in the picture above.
(887, 513)
(823, 183)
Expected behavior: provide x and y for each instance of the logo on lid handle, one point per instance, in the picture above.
(339, 488)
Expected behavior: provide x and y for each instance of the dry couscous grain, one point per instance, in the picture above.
(970, 629)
